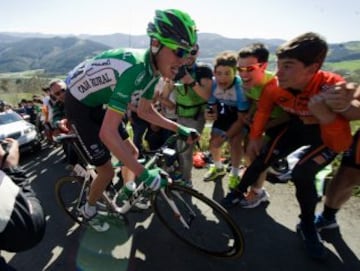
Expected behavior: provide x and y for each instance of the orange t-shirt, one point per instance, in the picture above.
(336, 135)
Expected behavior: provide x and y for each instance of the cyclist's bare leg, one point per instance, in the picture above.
(340, 188)
(105, 174)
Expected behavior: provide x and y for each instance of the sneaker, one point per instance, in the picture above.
(94, 221)
(231, 199)
(312, 241)
(322, 223)
(233, 181)
(253, 199)
(214, 173)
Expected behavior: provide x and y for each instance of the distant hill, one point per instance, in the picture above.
(57, 55)
(344, 51)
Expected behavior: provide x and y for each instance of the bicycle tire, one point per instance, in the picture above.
(212, 230)
(67, 192)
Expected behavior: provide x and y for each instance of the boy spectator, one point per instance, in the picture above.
(299, 79)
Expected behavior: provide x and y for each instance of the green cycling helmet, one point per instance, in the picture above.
(174, 29)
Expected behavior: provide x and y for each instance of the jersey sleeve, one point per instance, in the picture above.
(337, 134)
(265, 106)
(212, 99)
(242, 103)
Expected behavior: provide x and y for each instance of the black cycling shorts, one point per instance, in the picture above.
(86, 122)
(351, 157)
(225, 119)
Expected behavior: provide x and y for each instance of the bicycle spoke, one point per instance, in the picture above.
(203, 224)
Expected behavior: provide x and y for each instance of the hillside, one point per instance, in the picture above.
(54, 55)
(57, 55)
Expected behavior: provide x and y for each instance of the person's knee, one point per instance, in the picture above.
(346, 177)
(106, 171)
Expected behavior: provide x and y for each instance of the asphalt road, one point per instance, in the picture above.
(271, 242)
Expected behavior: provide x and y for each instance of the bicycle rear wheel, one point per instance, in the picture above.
(70, 195)
(211, 229)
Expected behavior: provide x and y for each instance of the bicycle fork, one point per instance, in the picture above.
(175, 209)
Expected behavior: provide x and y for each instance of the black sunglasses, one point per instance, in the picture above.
(58, 93)
(180, 52)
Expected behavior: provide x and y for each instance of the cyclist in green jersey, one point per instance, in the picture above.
(117, 78)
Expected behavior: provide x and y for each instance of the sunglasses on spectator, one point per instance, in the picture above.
(58, 93)
(249, 68)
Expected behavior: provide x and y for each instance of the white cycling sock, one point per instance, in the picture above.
(90, 210)
(218, 164)
(257, 190)
(235, 171)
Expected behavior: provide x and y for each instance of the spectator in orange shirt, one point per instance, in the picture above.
(299, 79)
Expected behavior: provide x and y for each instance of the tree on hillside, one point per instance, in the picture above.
(4, 85)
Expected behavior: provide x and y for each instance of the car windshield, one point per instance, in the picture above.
(9, 118)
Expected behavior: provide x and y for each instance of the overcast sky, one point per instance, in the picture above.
(336, 20)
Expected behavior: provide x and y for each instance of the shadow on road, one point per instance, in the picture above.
(145, 244)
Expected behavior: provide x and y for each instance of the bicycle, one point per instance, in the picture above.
(192, 217)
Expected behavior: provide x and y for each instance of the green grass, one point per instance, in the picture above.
(351, 65)
(23, 74)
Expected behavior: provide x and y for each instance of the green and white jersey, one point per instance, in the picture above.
(113, 78)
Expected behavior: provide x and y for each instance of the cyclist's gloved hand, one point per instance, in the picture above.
(187, 132)
(153, 179)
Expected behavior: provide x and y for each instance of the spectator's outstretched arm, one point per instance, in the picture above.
(344, 99)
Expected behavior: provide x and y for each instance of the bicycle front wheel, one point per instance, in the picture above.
(199, 221)
(70, 195)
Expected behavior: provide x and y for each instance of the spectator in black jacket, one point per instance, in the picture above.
(22, 220)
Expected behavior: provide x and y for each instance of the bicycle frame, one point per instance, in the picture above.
(88, 174)
(181, 209)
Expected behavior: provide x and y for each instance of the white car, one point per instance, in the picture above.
(14, 126)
